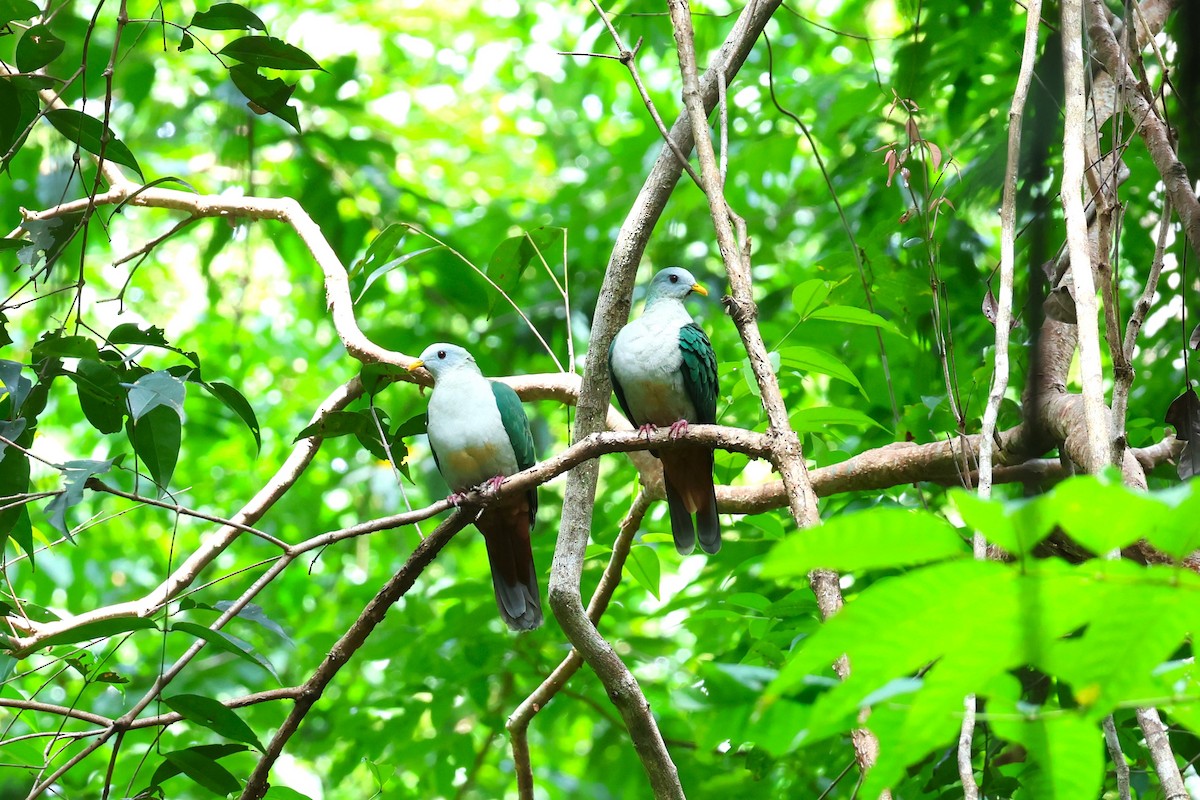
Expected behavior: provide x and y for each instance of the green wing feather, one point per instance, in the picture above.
(699, 372)
(620, 393)
(516, 425)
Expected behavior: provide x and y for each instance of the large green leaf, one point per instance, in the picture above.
(156, 438)
(265, 95)
(237, 403)
(200, 764)
(226, 643)
(513, 257)
(213, 715)
(227, 17)
(101, 629)
(37, 48)
(268, 52)
(884, 537)
(92, 135)
(101, 396)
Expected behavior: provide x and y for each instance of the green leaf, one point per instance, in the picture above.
(513, 256)
(226, 643)
(37, 48)
(75, 475)
(90, 133)
(379, 252)
(237, 403)
(186, 42)
(377, 376)
(851, 315)
(993, 520)
(265, 95)
(13, 244)
(152, 336)
(1097, 513)
(810, 359)
(54, 344)
(16, 385)
(1176, 532)
(1066, 754)
(268, 52)
(10, 431)
(872, 539)
(13, 10)
(158, 389)
(255, 614)
(815, 419)
(200, 764)
(48, 238)
(101, 629)
(22, 105)
(101, 396)
(348, 423)
(14, 481)
(644, 566)
(156, 438)
(213, 715)
(808, 296)
(227, 17)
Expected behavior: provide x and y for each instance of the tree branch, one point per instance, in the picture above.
(612, 309)
(346, 646)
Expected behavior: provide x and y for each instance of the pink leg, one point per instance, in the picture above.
(647, 429)
(456, 498)
(493, 484)
(678, 427)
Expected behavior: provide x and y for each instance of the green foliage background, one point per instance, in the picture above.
(465, 121)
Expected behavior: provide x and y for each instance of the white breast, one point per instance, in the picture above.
(466, 432)
(646, 361)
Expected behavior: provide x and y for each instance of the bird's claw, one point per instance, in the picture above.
(493, 484)
(678, 427)
(647, 429)
(456, 498)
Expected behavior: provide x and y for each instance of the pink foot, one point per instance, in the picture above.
(678, 428)
(493, 484)
(456, 498)
(647, 429)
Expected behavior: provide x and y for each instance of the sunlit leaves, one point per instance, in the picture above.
(93, 136)
(512, 257)
(885, 537)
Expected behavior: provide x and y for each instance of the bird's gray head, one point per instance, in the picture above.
(439, 358)
(673, 282)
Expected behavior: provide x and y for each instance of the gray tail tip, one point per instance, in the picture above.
(529, 619)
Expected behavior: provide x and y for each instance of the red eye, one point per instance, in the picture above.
(441, 353)
(674, 279)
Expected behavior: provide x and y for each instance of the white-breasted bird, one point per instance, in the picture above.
(479, 434)
(664, 372)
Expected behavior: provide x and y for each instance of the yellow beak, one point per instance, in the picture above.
(698, 289)
(416, 365)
